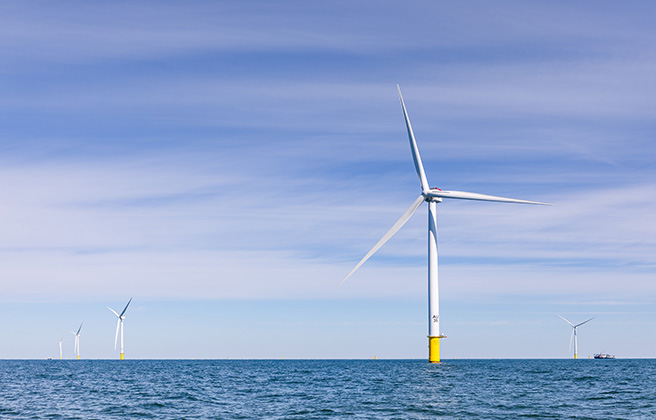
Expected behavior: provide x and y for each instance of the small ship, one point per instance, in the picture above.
(604, 356)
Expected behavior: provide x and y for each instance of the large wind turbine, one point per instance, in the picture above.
(432, 196)
(77, 342)
(61, 352)
(119, 325)
(573, 336)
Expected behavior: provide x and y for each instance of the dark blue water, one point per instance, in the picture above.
(328, 389)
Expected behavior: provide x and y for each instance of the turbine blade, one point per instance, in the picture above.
(463, 195)
(571, 338)
(115, 313)
(126, 307)
(578, 325)
(395, 228)
(563, 318)
(118, 324)
(78, 330)
(419, 167)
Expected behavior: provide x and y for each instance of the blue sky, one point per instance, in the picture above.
(228, 163)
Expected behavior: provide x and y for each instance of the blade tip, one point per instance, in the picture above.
(343, 281)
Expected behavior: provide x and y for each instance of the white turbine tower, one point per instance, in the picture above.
(61, 352)
(573, 336)
(432, 196)
(77, 342)
(119, 325)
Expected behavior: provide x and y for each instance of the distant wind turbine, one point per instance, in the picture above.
(432, 196)
(77, 342)
(119, 325)
(573, 336)
(61, 353)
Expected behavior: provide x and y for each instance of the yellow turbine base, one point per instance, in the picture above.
(434, 349)
(121, 356)
(575, 356)
(78, 357)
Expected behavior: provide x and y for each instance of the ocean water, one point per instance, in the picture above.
(327, 389)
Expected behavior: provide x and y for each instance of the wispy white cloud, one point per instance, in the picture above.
(149, 221)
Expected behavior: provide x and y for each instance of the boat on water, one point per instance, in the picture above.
(604, 356)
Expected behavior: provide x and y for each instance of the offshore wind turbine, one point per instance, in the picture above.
(77, 342)
(61, 353)
(432, 196)
(573, 336)
(119, 325)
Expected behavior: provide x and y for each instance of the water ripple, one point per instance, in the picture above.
(346, 389)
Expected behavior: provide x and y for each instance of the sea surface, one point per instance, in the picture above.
(327, 389)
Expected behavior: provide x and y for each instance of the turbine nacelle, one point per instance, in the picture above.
(431, 196)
